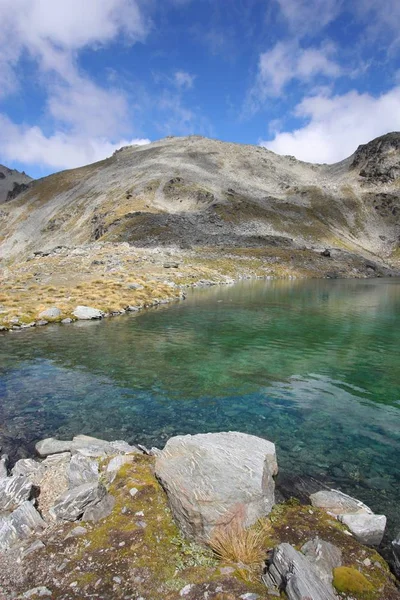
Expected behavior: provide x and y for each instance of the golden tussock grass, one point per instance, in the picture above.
(246, 548)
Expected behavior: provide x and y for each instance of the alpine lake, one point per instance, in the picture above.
(312, 365)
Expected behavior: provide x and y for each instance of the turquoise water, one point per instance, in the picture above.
(311, 365)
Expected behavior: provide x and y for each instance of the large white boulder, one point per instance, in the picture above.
(367, 529)
(86, 313)
(213, 479)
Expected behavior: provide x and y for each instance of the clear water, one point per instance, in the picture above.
(312, 365)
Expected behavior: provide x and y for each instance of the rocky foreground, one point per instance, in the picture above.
(198, 520)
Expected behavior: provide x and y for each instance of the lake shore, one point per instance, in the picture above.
(118, 278)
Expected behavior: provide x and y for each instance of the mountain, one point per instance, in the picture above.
(197, 192)
(12, 183)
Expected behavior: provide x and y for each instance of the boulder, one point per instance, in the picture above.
(213, 479)
(27, 467)
(338, 503)
(20, 524)
(50, 313)
(52, 446)
(14, 491)
(288, 570)
(71, 505)
(82, 470)
(367, 529)
(86, 313)
(3, 466)
(324, 556)
(115, 464)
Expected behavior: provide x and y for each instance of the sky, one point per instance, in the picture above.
(309, 78)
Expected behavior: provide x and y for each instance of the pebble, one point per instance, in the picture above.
(117, 579)
(133, 491)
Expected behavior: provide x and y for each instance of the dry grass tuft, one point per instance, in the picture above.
(246, 548)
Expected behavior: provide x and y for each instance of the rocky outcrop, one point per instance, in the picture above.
(12, 183)
(378, 161)
(215, 478)
(289, 570)
(82, 470)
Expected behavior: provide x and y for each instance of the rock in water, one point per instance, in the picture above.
(19, 525)
(14, 491)
(290, 571)
(324, 556)
(86, 313)
(71, 505)
(52, 446)
(213, 478)
(82, 470)
(367, 529)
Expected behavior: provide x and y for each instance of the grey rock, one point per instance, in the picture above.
(41, 323)
(101, 510)
(396, 555)
(20, 524)
(76, 532)
(212, 479)
(26, 467)
(67, 321)
(135, 286)
(115, 464)
(324, 556)
(50, 313)
(41, 592)
(71, 505)
(290, 571)
(3, 466)
(82, 470)
(55, 459)
(337, 503)
(367, 529)
(52, 446)
(86, 313)
(14, 491)
(124, 447)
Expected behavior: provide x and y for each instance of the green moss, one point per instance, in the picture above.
(350, 581)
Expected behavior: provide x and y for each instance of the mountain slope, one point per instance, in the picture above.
(195, 191)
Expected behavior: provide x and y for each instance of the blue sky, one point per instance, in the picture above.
(310, 78)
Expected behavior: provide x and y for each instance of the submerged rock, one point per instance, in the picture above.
(367, 529)
(289, 570)
(20, 524)
(212, 479)
(71, 505)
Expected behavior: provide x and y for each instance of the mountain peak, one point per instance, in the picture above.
(379, 160)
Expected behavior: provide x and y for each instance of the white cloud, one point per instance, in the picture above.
(29, 145)
(338, 124)
(183, 79)
(286, 61)
(309, 16)
(86, 118)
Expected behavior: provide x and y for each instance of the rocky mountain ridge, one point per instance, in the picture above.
(198, 192)
(12, 183)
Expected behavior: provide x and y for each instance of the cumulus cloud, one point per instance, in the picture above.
(87, 119)
(287, 61)
(337, 125)
(60, 150)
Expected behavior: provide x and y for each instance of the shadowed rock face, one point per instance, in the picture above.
(12, 183)
(379, 160)
(198, 192)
